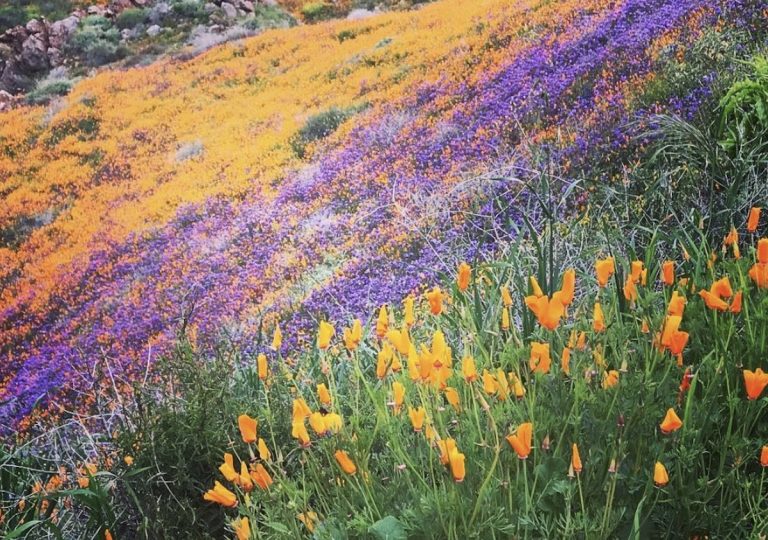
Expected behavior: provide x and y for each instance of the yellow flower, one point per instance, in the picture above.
(333, 422)
(490, 386)
(409, 317)
(227, 468)
(277, 338)
(317, 422)
(382, 322)
(535, 287)
(299, 432)
(435, 299)
(755, 382)
(398, 395)
(453, 398)
(598, 319)
(753, 219)
(128, 460)
(323, 394)
(505, 296)
(261, 477)
(660, 476)
(671, 422)
(522, 441)
(540, 360)
(504, 318)
(300, 409)
(465, 274)
(636, 272)
(468, 369)
(324, 335)
(242, 528)
(610, 379)
(565, 361)
(264, 452)
(353, 336)
(576, 459)
(248, 427)
(400, 339)
(548, 311)
(263, 367)
(417, 417)
(345, 462)
(309, 519)
(221, 495)
(456, 460)
(604, 268)
(568, 290)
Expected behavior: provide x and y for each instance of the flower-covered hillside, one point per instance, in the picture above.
(194, 193)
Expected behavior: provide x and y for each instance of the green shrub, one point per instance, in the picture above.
(131, 18)
(96, 42)
(11, 16)
(320, 126)
(269, 17)
(317, 11)
(44, 94)
(744, 121)
(188, 9)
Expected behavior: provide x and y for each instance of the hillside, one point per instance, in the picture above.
(343, 269)
(172, 196)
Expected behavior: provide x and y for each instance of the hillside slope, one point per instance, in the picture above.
(172, 197)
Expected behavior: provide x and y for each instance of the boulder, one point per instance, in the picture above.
(60, 31)
(358, 14)
(229, 10)
(244, 5)
(37, 26)
(34, 54)
(14, 80)
(154, 30)
(55, 56)
(7, 101)
(209, 7)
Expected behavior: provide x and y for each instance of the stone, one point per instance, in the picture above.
(34, 54)
(209, 7)
(244, 5)
(55, 57)
(154, 30)
(270, 3)
(229, 10)
(36, 26)
(14, 80)
(60, 31)
(358, 14)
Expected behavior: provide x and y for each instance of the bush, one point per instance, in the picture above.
(269, 17)
(44, 94)
(189, 9)
(317, 11)
(96, 42)
(131, 18)
(11, 16)
(320, 126)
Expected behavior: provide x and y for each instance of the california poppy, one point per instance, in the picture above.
(446, 446)
(417, 417)
(731, 238)
(755, 382)
(323, 394)
(309, 519)
(345, 462)
(505, 296)
(535, 287)
(759, 274)
(398, 395)
(540, 360)
(400, 339)
(668, 273)
(408, 317)
(248, 427)
(382, 322)
(630, 289)
(317, 422)
(261, 477)
(221, 495)
(548, 311)
(522, 441)
(722, 288)
(324, 335)
(736, 302)
(671, 325)
(762, 251)
(264, 452)
(244, 479)
(610, 379)
(676, 304)
(353, 335)
(636, 271)
(465, 274)
(671, 422)
(712, 301)
(227, 468)
(242, 528)
(452, 395)
(263, 368)
(299, 432)
(598, 319)
(456, 460)
(504, 318)
(333, 422)
(753, 219)
(764, 456)
(300, 409)
(568, 290)
(468, 369)
(277, 338)
(660, 476)
(565, 360)
(435, 299)
(490, 385)
(604, 268)
(576, 459)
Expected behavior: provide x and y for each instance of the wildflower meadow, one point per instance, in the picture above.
(434, 270)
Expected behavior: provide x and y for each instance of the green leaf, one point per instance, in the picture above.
(388, 528)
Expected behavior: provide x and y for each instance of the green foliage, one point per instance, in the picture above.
(744, 121)
(265, 17)
(319, 126)
(44, 94)
(11, 16)
(96, 42)
(317, 11)
(188, 9)
(18, 12)
(131, 17)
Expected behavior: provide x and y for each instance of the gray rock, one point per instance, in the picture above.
(209, 7)
(36, 26)
(154, 30)
(14, 80)
(34, 54)
(358, 14)
(270, 3)
(244, 5)
(60, 31)
(55, 57)
(229, 10)
(159, 12)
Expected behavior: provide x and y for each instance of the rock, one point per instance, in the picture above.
(14, 80)
(34, 54)
(55, 57)
(140, 3)
(14, 38)
(100, 11)
(358, 14)
(7, 101)
(244, 5)
(209, 7)
(229, 10)
(159, 12)
(154, 30)
(60, 31)
(37, 26)
(119, 5)
(270, 3)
